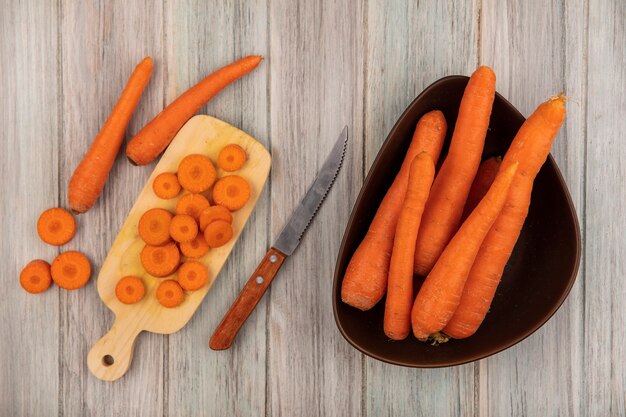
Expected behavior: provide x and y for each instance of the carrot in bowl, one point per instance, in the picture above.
(183, 228)
(192, 275)
(154, 226)
(487, 172)
(130, 289)
(195, 248)
(160, 261)
(56, 226)
(35, 277)
(170, 294)
(213, 213)
(218, 233)
(196, 173)
(232, 192)
(192, 205)
(70, 270)
(166, 185)
(231, 158)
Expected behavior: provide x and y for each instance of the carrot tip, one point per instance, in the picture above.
(559, 97)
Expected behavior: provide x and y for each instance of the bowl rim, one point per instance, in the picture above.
(490, 352)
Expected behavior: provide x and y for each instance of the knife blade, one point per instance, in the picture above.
(286, 243)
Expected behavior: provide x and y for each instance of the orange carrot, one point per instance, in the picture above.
(195, 248)
(365, 281)
(160, 261)
(166, 185)
(213, 213)
(130, 290)
(232, 192)
(231, 158)
(156, 135)
(56, 226)
(192, 205)
(531, 147)
(89, 177)
(35, 277)
(196, 173)
(154, 226)
(447, 198)
(70, 270)
(397, 322)
(192, 275)
(487, 172)
(170, 294)
(183, 228)
(218, 233)
(441, 291)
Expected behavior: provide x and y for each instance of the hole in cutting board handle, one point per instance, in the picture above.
(107, 360)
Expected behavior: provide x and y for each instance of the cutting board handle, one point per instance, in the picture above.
(110, 357)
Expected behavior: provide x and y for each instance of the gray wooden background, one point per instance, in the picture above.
(328, 63)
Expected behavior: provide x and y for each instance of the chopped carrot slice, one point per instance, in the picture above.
(170, 294)
(195, 248)
(130, 289)
(192, 275)
(232, 192)
(183, 228)
(160, 261)
(196, 173)
(192, 205)
(231, 158)
(71, 270)
(218, 233)
(56, 226)
(35, 276)
(210, 214)
(154, 226)
(166, 185)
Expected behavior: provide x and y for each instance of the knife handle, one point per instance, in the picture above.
(247, 300)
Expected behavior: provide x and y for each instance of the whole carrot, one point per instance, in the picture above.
(531, 147)
(487, 172)
(89, 177)
(156, 135)
(397, 322)
(447, 198)
(441, 292)
(365, 281)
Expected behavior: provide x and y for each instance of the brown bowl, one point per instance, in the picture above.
(536, 280)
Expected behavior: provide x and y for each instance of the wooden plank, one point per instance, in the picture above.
(28, 178)
(605, 312)
(542, 376)
(410, 46)
(202, 382)
(316, 84)
(101, 44)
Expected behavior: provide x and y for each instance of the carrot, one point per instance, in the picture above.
(160, 261)
(195, 248)
(169, 293)
(196, 173)
(166, 185)
(231, 158)
(449, 192)
(487, 172)
(213, 213)
(156, 135)
(70, 270)
(56, 226)
(192, 275)
(183, 228)
(232, 192)
(35, 277)
(192, 205)
(130, 290)
(397, 321)
(154, 226)
(531, 147)
(365, 280)
(89, 177)
(441, 291)
(218, 233)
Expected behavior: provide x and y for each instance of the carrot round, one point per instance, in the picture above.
(160, 261)
(232, 192)
(365, 281)
(397, 321)
(156, 135)
(170, 294)
(183, 228)
(485, 175)
(196, 173)
(218, 233)
(70, 270)
(213, 213)
(35, 277)
(195, 248)
(531, 147)
(166, 185)
(231, 158)
(130, 289)
(56, 226)
(441, 291)
(154, 226)
(444, 207)
(192, 205)
(89, 177)
(192, 275)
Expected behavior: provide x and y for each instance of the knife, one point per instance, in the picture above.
(285, 245)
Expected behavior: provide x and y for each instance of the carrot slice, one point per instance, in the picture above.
(218, 233)
(169, 293)
(71, 270)
(232, 192)
(231, 158)
(130, 289)
(213, 213)
(196, 173)
(195, 248)
(192, 275)
(154, 226)
(160, 261)
(166, 185)
(35, 277)
(192, 205)
(56, 226)
(183, 228)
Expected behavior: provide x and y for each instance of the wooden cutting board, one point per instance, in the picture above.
(111, 356)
